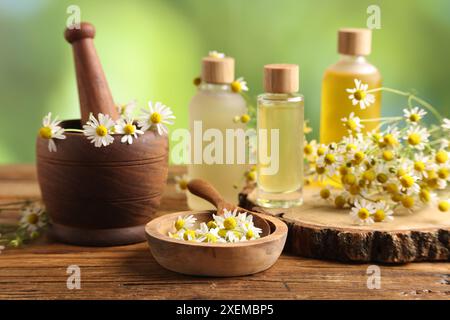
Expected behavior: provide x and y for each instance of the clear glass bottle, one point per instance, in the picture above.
(215, 105)
(282, 109)
(354, 45)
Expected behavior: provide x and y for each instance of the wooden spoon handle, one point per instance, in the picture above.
(205, 190)
(93, 89)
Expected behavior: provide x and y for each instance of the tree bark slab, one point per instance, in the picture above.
(317, 230)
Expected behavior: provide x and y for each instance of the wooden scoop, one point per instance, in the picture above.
(205, 190)
(93, 90)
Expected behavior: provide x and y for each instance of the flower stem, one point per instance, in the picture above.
(411, 97)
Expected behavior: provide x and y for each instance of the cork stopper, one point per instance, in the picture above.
(281, 78)
(355, 42)
(218, 70)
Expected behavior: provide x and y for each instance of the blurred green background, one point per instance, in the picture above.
(151, 50)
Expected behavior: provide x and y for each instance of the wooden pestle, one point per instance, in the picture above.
(93, 90)
(205, 190)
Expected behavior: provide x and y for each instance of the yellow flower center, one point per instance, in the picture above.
(129, 129)
(230, 223)
(101, 131)
(441, 156)
(223, 233)
(211, 238)
(197, 81)
(414, 117)
(414, 139)
(325, 193)
(363, 213)
(388, 155)
(349, 179)
(321, 151)
(389, 140)
(330, 159)
(379, 215)
(360, 95)
(419, 166)
(425, 195)
(45, 132)
(350, 146)
(407, 181)
(245, 118)
(351, 124)
(189, 234)
(408, 202)
(369, 175)
(308, 149)
(397, 197)
(443, 173)
(251, 175)
(320, 170)
(179, 224)
(382, 178)
(354, 189)
(211, 224)
(444, 206)
(359, 156)
(339, 202)
(343, 170)
(155, 118)
(182, 184)
(32, 218)
(250, 234)
(236, 86)
(392, 188)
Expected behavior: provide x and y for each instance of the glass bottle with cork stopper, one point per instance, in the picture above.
(215, 106)
(280, 120)
(353, 45)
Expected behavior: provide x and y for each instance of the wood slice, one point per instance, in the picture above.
(318, 230)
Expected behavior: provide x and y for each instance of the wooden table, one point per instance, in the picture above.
(38, 271)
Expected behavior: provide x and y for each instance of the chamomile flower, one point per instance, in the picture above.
(239, 85)
(126, 109)
(228, 221)
(444, 205)
(359, 95)
(331, 160)
(417, 137)
(99, 132)
(250, 232)
(414, 115)
(422, 165)
(216, 54)
(129, 130)
(390, 137)
(446, 124)
(310, 150)
(156, 116)
(51, 130)
(409, 183)
(362, 212)
(352, 123)
(33, 218)
(205, 234)
(382, 212)
(181, 183)
(185, 223)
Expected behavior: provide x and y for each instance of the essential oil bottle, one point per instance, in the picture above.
(280, 109)
(215, 105)
(353, 45)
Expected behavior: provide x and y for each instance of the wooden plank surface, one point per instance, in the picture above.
(38, 271)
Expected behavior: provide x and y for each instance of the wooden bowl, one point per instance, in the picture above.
(218, 259)
(101, 196)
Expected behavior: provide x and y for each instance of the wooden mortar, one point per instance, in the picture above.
(99, 196)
